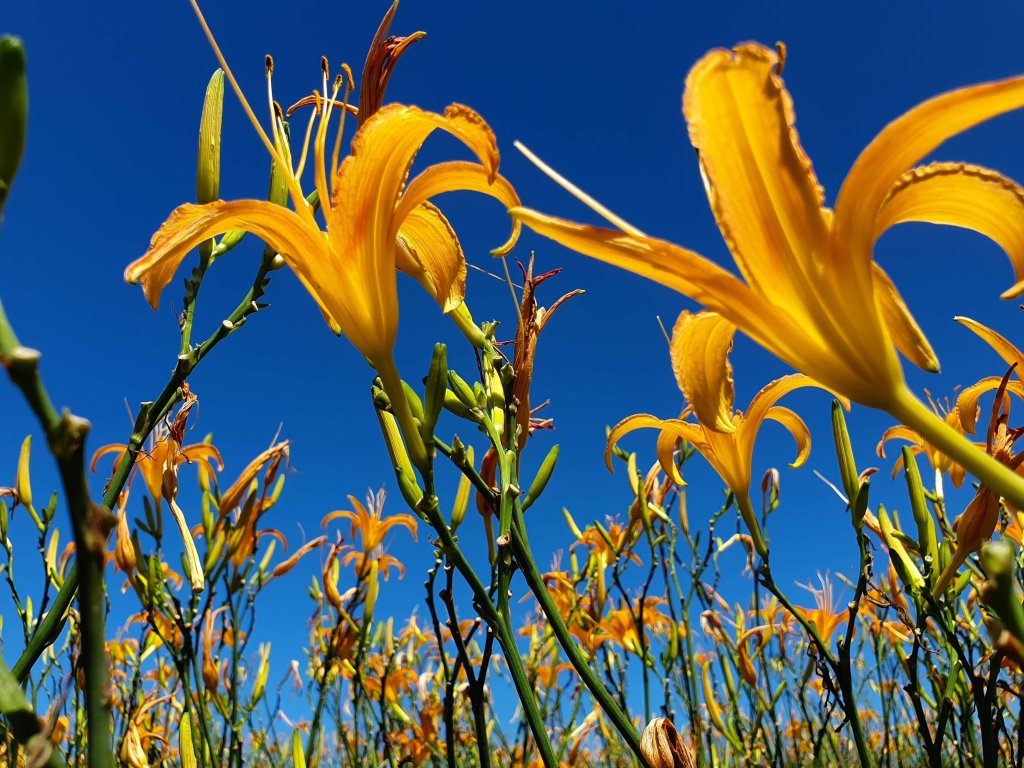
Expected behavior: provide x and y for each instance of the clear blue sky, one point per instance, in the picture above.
(594, 88)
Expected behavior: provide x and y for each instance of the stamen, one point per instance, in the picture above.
(350, 86)
(309, 132)
(282, 137)
(578, 193)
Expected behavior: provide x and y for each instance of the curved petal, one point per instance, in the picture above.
(797, 428)
(233, 496)
(700, 359)
(1003, 347)
(119, 448)
(769, 395)
(760, 182)
(302, 246)
(905, 141)
(966, 196)
(967, 402)
(666, 451)
(897, 432)
(692, 433)
(456, 176)
(429, 251)
(906, 333)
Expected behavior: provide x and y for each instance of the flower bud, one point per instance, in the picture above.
(437, 381)
(540, 482)
(663, 747)
(208, 157)
(462, 494)
(13, 111)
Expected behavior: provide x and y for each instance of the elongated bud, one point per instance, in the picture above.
(844, 452)
(193, 565)
(540, 482)
(372, 590)
(663, 747)
(13, 111)
(926, 537)
(262, 673)
(185, 746)
(437, 385)
(298, 756)
(208, 158)
(462, 390)
(901, 561)
(714, 711)
(24, 480)
(124, 548)
(456, 406)
(411, 492)
(462, 494)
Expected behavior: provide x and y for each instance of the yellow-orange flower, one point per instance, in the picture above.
(724, 436)
(375, 221)
(810, 292)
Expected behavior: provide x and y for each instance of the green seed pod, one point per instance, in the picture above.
(13, 111)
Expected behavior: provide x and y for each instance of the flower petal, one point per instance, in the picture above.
(770, 394)
(692, 433)
(430, 251)
(362, 218)
(908, 139)
(967, 402)
(906, 333)
(302, 246)
(797, 428)
(760, 182)
(700, 358)
(456, 176)
(964, 196)
(1003, 347)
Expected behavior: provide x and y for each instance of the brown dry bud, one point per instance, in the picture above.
(663, 747)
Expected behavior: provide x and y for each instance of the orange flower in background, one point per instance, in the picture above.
(810, 292)
(827, 615)
(371, 527)
(725, 437)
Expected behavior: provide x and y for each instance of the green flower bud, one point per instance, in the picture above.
(13, 111)
(208, 158)
(540, 482)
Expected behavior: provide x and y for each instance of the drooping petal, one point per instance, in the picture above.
(762, 188)
(692, 433)
(700, 358)
(304, 247)
(797, 428)
(119, 448)
(1002, 346)
(897, 432)
(234, 495)
(964, 196)
(457, 176)
(770, 394)
(904, 142)
(906, 333)
(429, 251)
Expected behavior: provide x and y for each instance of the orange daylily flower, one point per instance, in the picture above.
(368, 522)
(827, 615)
(810, 292)
(375, 221)
(725, 437)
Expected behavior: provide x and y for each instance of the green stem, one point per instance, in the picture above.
(929, 426)
(524, 558)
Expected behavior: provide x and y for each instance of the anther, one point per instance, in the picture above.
(270, 65)
(325, 66)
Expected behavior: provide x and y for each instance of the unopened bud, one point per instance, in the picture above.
(13, 111)
(208, 158)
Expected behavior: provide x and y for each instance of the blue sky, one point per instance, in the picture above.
(594, 88)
